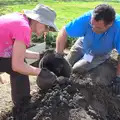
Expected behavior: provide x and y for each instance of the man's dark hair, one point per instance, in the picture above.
(104, 12)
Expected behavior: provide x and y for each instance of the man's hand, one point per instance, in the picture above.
(46, 79)
(42, 54)
(59, 55)
(116, 86)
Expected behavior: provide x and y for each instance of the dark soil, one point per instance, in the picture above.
(82, 97)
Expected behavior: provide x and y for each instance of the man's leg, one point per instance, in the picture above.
(82, 65)
(75, 53)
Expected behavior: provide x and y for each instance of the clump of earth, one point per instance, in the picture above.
(82, 97)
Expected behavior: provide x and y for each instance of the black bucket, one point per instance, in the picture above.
(58, 66)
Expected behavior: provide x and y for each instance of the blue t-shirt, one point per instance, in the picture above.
(98, 44)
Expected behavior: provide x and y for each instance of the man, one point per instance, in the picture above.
(99, 33)
(15, 33)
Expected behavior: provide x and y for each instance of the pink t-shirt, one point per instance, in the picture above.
(13, 27)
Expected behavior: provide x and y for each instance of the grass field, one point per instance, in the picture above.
(66, 11)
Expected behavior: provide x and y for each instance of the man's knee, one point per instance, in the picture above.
(81, 66)
(78, 70)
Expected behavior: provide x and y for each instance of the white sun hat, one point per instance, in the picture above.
(44, 15)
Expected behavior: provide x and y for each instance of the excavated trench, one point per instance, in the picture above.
(82, 97)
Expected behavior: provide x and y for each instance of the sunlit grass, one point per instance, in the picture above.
(66, 11)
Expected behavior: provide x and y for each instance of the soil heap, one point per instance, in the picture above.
(81, 97)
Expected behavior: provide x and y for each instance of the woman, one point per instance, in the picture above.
(15, 33)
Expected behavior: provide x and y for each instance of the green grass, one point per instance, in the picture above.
(66, 11)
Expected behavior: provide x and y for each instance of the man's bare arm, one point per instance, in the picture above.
(61, 40)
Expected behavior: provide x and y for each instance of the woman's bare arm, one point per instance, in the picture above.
(32, 55)
(18, 56)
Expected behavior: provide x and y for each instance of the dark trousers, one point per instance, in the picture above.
(20, 86)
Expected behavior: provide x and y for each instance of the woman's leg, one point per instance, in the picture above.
(20, 86)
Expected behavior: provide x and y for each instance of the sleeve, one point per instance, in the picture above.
(117, 41)
(77, 27)
(22, 33)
